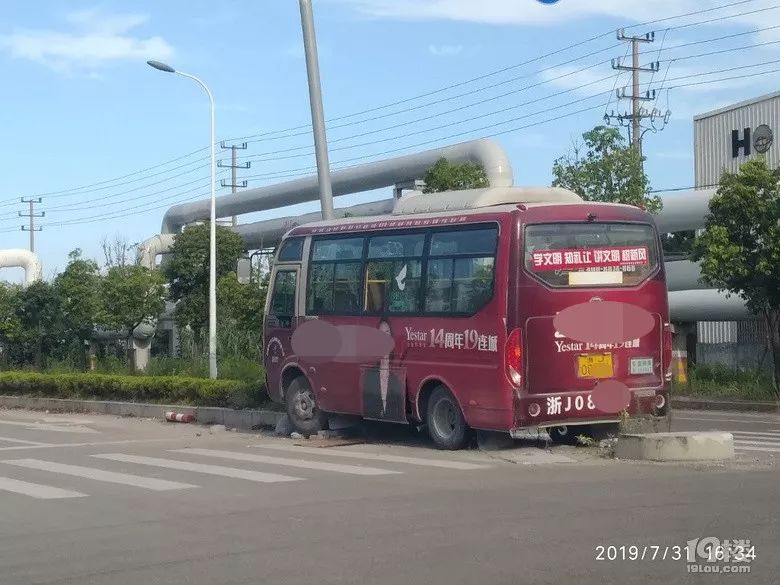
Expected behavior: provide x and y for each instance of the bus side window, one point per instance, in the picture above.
(292, 250)
(283, 299)
(394, 273)
(461, 270)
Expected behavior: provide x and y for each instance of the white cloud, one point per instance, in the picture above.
(529, 12)
(445, 50)
(96, 39)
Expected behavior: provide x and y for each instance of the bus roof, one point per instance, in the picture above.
(472, 199)
(455, 206)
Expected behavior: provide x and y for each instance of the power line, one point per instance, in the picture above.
(433, 92)
(121, 213)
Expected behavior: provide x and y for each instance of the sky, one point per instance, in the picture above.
(109, 143)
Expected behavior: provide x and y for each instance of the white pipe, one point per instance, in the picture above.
(707, 305)
(375, 175)
(149, 249)
(22, 259)
(683, 210)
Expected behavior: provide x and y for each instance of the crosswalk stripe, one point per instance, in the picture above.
(149, 483)
(34, 426)
(199, 468)
(765, 443)
(301, 463)
(36, 490)
(736, 420)
(765, 449)
(754, 433)
(22, 441)
(447, 464)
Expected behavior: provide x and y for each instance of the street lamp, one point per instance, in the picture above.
(213, 225)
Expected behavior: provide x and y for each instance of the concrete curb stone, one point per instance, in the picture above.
(685, 446)
(239, 419)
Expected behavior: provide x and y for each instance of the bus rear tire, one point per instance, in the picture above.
(446, 424)
(305, 416)
(564, 435)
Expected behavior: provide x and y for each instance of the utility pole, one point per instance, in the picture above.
(234, 185)
(32, 215)
(638, 113)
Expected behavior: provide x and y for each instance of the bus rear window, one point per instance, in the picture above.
(590, 254)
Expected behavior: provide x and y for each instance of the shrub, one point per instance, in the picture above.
(720, 381)
(160, 389)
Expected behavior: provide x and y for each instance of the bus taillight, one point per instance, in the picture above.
(667, 351)
(514, 357)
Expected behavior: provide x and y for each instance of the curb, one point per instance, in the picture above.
(688, 446)
(239, 419)
(688, 403)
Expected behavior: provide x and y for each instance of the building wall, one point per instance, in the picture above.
(740, 344)
(713, 137)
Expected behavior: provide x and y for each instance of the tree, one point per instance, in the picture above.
(10, 324)
(131, 295)
(446, 176)
(739, 249)
(240, 316)
(117, 251)
(41, 318)
(679, 243)
(187, 270)
(78, 288)
(606, 169)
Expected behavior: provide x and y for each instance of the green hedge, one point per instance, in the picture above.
(726, 383)
(160, 389)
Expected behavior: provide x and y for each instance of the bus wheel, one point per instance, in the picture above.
(446, 424)
(305, 415)
(564, 435)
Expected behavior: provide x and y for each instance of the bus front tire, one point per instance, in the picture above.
(446, 424)
(305, 416)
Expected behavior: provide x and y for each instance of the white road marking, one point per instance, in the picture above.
(199, 468)
(765, 443)
(332, 451)
(755, 434)
(149, 483)
(68, 421)
(23, 442)
(765, 449)
(34, 426)
(735, 420)
(36, 490)
(98, 444)
(300, 463)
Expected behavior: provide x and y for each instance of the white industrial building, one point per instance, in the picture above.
(724, 139)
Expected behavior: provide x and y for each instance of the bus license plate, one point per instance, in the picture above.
(595, 366)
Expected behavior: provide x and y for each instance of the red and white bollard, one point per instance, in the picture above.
(172, 416)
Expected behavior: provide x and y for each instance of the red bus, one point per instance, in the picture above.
(499, 309)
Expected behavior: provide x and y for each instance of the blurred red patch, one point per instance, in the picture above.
(604, 322)
(611, 396)
(361, 344)
(320, 342)
(316, 341)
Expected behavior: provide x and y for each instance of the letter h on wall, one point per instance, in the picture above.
(737, 144)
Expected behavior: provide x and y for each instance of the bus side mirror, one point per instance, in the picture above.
(244, 270)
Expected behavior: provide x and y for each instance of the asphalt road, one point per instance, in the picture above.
(91, 499)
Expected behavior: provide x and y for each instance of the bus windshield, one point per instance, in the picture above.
(590, 254)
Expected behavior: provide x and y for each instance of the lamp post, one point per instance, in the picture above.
(213, 224)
